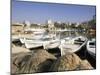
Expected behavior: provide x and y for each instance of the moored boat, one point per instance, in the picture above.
(34, 43)
(91, 47)
(30, 45)
(15, 37)
(72, 45)
(51, 44)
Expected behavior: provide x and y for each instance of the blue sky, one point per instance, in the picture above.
(40, 12)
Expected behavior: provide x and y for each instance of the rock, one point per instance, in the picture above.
(14, 68)
(85, 65)
(13, 45)
(16, 60)
(40, 61)
(19, 50)
(70, 61)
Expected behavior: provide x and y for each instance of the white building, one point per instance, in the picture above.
(50, 24)
(27, 23)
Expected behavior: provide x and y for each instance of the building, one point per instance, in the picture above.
(27, 24)
(51, 26)
(17, 28)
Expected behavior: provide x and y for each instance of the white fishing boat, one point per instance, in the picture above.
(91, 47)
(72, 45)
(34, 39)
(15, 37)
(51, 44)
(34, 30)
(35, 36)
(33, 44)
(26, 39)
(39, 32)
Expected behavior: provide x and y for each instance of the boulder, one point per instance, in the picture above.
(16, 50)
(16, 60)
(85, 65)
(70, 61)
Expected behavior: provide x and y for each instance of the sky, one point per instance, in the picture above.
(36, 12)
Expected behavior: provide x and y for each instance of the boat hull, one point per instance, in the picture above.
(91, 49)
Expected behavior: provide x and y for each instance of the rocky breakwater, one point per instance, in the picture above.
(42, 61)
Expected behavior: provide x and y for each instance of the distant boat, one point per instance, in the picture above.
(35, 30)
(91, 47)
(39, 32)
(72, 45)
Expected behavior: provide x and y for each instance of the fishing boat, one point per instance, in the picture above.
(26, 39)
(91, 47)
(72, 45)
(51, 44)
(46, 41)
(35, 43)
(39, 32)
(15, 38)
(34, 30)
(35, 36)
(35, 39)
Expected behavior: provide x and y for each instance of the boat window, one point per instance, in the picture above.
(92, 43)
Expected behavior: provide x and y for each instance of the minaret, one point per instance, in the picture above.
(27, 24)
(50, 25)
